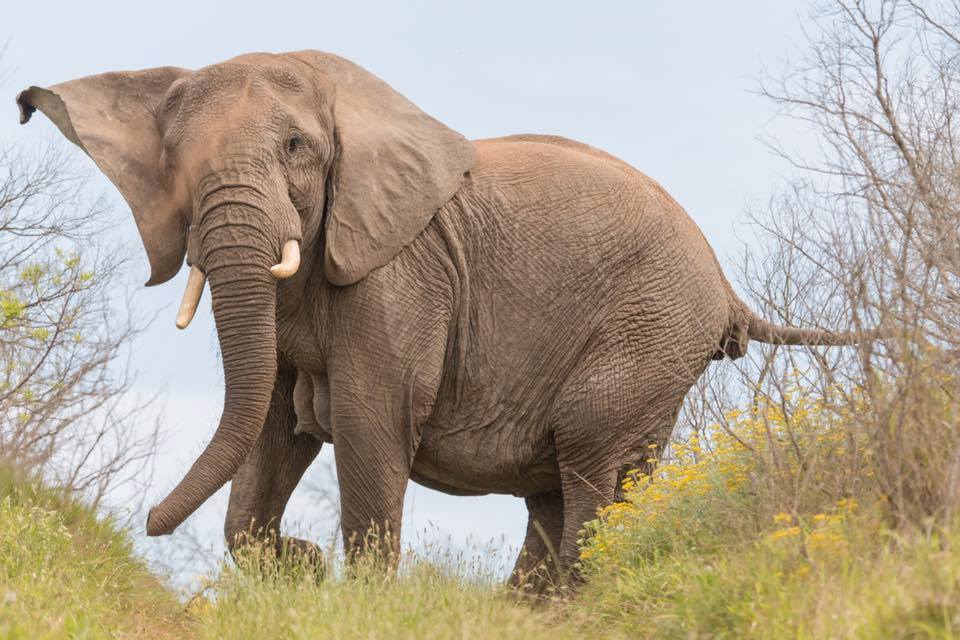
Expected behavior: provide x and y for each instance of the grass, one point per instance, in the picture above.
(64, 573)
(702, 549)
(422, 601)
(707, 548)
(847, 578)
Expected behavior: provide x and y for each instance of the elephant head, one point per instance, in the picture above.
(236, 166)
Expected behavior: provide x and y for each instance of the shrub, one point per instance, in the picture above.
(711, 544)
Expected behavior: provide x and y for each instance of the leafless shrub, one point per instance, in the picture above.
(65, 410)
(868, 235)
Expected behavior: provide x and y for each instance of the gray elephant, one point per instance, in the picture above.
(518, 315)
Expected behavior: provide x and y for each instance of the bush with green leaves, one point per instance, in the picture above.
(64, 406)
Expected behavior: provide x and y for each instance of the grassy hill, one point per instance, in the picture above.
(776, 525)
(421, 601)
(706, 548)
(64, 573)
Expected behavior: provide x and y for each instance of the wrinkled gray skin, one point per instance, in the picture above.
(520, 315)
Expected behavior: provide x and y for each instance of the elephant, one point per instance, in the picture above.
(519, 315)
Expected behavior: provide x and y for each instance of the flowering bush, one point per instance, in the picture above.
(756, 474)
(773, 524)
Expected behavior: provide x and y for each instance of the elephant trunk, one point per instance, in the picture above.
(237, 264)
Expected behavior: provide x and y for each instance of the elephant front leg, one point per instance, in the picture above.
(382, 389)
(261, 488)
(373, 467)
(375, 437)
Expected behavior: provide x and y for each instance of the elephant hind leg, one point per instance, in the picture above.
(261, 488)
(593, 457)
(586, 489)
(609, 409)
(535, 571)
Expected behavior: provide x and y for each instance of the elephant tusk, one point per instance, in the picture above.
(289, 260)
(191, 297)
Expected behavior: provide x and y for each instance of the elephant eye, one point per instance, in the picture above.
(294, 143)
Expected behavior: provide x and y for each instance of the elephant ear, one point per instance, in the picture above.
(396, 167)
(112, 117)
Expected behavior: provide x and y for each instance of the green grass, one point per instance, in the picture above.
(703, 551)
(878, 585)
(66, 574)
(421, 601)
(708, 563)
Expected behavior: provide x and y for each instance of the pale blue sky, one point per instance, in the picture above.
(667, 86)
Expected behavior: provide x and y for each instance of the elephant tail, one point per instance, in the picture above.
(750, 326)
(763, 331)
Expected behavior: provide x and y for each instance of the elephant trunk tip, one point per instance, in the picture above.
(157, 524)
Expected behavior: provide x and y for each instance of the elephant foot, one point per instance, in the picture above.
(302, 554)
(544, 583)
(535, 584)
(278, 555)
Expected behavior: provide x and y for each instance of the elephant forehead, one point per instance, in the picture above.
(223, 110)
(226, 91)
(273, 71)
(222, 127)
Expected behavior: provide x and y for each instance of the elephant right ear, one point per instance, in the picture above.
(112, 117)
(397, 166)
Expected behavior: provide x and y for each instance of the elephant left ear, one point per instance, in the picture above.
(397, 166)
(112, 117)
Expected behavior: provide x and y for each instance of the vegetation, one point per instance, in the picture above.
(807, 493)
(708, 547)
(65, 410)
(422, 600)
(66, 574)
(705, 547)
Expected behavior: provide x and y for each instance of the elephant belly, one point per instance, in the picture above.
(476, 462)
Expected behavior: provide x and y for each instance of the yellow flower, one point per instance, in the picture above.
(780, 534)
(847, 504)
(824, 544)
(783, 518)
